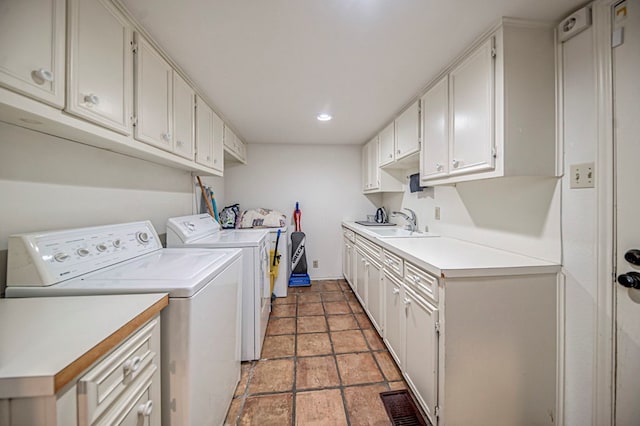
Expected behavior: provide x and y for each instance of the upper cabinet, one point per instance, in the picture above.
(86, 71)
(434, 156)
(209, 135)
(165, 103)
(407, 134)
(154, 99)
(183, 117)
(400, 140)
(471, 88)
(100, 77)
(32, 42)
(387, 140)
(492, 113)
(375, 179)
(234, 146)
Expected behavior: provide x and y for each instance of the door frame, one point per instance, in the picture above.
(605, 307)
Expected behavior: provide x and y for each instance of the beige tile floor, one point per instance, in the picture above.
(322, 363)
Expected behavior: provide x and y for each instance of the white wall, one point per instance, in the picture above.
(326, 180)
(50, 183)
(520, 214)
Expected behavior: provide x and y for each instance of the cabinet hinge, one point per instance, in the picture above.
(134, 120)
(437, 326)
(494, 153)
(134, 47)
(494, 53)
(436, 411)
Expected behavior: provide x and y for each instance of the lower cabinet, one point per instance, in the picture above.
(421, 349)
(347, 261)
(470, 346)
(361, 277)
(393, 306)
(122, 388)
(374, 293)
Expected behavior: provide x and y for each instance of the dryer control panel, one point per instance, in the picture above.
(184, 229)
(46, 258)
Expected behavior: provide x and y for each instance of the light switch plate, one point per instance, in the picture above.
(582, 175)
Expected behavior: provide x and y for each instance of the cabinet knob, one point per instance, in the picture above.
(398, 152)
(179, 143)
(439, 167)
(42, 76)
(390, 155)
(91, 99)
(208, 158)
(215, 161)
(456, 163)
(396, 290)
(145, 409)
(166, 136)
(132, 365)
(406, 301)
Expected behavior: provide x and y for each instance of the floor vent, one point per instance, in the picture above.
(401, 409)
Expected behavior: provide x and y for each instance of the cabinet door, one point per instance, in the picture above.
(375, 294)
(32, 41)
(153, 97)
(421, 350)
(392, 316)
(374, 169)
(100, 78)
(204, 133)
(386, 145)
(407, 129)
(434, 161)
(346, 259)
(183, 117)
(365, 167)
(218, 143)
(472, 110)
(229, 139)
(361, 278)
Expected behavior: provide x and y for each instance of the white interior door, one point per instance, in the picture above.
(626, 72)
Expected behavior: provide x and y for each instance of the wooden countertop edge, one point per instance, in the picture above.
(73, 370)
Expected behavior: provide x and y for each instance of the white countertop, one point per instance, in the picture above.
(42, 336)
(453, 258)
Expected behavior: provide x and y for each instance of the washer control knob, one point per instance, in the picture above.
(61, 257)
(101, 247)
(82, 252)
(117, 243)
(143, 237)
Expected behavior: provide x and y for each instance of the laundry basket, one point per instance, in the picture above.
(273, 268)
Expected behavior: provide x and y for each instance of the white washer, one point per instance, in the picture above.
(200, 329)
(204, 232)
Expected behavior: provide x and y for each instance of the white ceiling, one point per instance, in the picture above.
(270, 66)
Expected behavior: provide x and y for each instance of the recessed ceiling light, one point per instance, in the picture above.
(324, 117)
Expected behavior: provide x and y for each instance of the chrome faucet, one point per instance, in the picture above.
(412, 221)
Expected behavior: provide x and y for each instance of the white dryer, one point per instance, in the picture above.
(200, 329)
(203, 231)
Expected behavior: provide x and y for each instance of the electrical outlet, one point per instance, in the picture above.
(315, 263)
(437, 213)
(582, 175)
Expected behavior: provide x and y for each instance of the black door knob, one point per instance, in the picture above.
(633, 256)
(630, 280)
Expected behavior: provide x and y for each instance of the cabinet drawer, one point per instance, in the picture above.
(422, 283)
(372, 250)
(392, 263)
(114, 375)
(349, 234)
